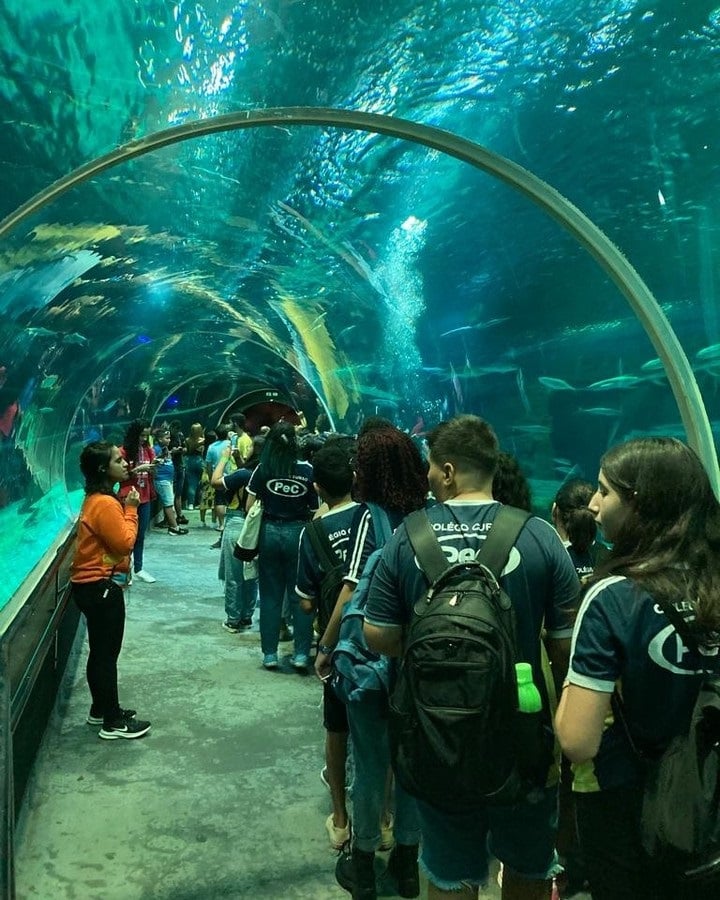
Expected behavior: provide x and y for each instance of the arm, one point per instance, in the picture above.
(580, 720)
(558, 651)
(386, 639)
(331, 633)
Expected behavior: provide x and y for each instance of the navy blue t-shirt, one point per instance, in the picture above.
(539, 576)
(290, 498)
(336, 522)
(584, 562)
(621, 634)
(233, 484)
(362, 541)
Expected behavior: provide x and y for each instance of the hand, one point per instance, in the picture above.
(132, 498)
(323, 669)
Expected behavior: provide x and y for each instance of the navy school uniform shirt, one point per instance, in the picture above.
(336, 522)
(233, 484)
(363, 542)
(621, 634)
(291, 498)
(539, 576)
(584, 562)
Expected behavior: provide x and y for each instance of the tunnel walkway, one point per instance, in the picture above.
(221, 800)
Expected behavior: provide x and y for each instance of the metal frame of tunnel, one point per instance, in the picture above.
(645, 306)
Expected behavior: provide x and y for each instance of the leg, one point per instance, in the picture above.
(515, 887)
(466, 892)
(272, 586)
(335, 757)
(371, 753)
(143, 512)
(103, 606)
(233, 571)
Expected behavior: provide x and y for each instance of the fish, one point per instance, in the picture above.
(75, 338)
(532, 429)
(433, 370)
(555, 384)
(618, 383)
(40, 332)
(653, 365)
(709, 353)
(601, 411)
(464, 329)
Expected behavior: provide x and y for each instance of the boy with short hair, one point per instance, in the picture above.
(333, 478)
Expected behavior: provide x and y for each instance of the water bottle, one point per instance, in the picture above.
(529, 699)
(531, 744)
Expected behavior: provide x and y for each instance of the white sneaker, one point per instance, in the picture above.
(142, 575)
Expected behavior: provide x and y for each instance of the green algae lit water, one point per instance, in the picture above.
(354, 273)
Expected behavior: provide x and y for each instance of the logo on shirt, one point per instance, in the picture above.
(668, 651)
(285, 487)
(464, 554)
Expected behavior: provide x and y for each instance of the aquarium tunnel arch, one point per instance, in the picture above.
(162, 381)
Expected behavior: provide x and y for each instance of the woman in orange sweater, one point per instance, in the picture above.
(106, 534)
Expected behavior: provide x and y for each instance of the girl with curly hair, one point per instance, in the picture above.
(137, 451)
(389, 472)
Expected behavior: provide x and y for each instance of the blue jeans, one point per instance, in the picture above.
(277, 566)
(143, 514)
(240, 595)
(371, 749)
(194, 466)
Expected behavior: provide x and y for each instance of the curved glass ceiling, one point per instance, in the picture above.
(351, 271)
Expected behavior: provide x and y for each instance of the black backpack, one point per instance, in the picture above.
(457, 738)
(680, 822)
(332, 568)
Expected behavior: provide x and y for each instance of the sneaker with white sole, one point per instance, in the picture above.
(142, 575)
(270, 661)
(300, 662)
(124, 728)
(98, 720)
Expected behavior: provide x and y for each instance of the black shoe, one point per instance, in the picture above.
(235, 627)
(216, 545)
(181, 520)
(245, 624)
(177, 531)
(98, 720)
(124, 728)
(355, 872)
(402, 867)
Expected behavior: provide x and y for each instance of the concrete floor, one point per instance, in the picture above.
(221, 800)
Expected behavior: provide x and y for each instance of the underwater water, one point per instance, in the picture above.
(351, 272)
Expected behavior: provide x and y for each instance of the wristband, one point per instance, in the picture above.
(325, 649)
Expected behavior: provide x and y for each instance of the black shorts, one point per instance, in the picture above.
(334, 712)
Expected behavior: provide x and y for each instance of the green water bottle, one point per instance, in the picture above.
(531, 745)
(529, 699)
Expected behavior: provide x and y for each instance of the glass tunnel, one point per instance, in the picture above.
(306, 268)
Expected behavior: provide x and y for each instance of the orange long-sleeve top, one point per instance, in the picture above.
(106, 534)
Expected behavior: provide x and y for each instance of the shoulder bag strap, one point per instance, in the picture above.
(422, 539)
(503, 534)
(381, 524)
(327, 557)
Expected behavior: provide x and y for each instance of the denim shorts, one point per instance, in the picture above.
(457, 847)
(165, 492)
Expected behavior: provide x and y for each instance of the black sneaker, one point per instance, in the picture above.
(98, 720)
(216, 545)
(235, 627)
(124, 728)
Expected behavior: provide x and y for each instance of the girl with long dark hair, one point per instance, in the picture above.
(655, 504)
(575, 523)
(285, 485)
(99, 573)
(139, 455)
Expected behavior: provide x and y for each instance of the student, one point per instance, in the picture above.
(285, 485)
(541, 582)
(510, 486)
(164, 481)
(390, 473)
(106, 534)
(655, 504)
(575, 523)
(140, 457)
(333, 478)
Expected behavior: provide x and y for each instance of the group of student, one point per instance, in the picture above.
(607, 637)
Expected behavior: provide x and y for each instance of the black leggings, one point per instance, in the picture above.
(103, 605)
